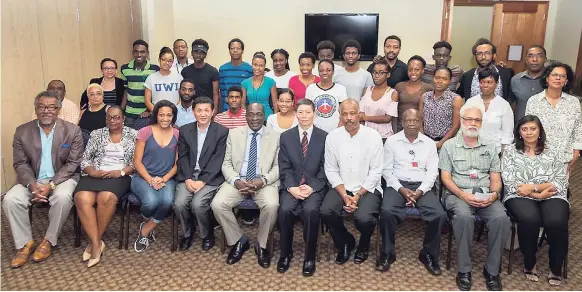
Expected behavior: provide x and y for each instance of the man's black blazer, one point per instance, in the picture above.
(211, 156)
(292, 165)
(505, 74)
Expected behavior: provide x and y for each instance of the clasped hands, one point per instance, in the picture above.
(528, 190)
(249, 187)
(410, 196)
(301, 192)
(472, 201)
(194, 186)
(106, 174)
(351, 202)
(40, 192)
(157, 183)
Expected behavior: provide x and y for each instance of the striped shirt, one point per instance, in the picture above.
(134, 82)
(230, 120)
(429, 70)
(110, 97)
(232, 76)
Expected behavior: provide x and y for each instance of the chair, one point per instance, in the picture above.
(76, 222)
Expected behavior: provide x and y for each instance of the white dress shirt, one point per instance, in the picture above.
(356, 162)
(200, 143)
(410, 162)
(309, 132)
(497, 127)
(243, 170)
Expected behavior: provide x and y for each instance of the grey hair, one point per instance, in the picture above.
(468, 107)
(50, 94)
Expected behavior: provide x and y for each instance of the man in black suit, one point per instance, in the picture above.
(485, 53)
(303, 185)
(201, 148)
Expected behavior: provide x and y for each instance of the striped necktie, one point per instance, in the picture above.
(304, 148)
(252, 163)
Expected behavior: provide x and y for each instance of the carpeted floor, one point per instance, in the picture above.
(159, 269)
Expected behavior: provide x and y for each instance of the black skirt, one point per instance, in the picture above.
(119, 186)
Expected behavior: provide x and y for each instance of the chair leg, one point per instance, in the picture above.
(222, 241)
(511, 247)
(481, 229)
(329, 242)
(270, 243)
(121, 233)
(317, 248)
(30, 214)
(76, 227)
(449, 246)
(377, 242)
(173, 248)
(565, 273)
(127, 213)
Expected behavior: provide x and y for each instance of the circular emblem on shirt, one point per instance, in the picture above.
(325, 105)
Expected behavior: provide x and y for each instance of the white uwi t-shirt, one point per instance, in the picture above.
(164, 87)
(281, 81)
(326, 102)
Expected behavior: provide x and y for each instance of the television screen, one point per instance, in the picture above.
(339, 28)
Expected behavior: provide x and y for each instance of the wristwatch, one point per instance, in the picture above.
(53, 185)
(122, 173)
(264, 179)
(357, 194)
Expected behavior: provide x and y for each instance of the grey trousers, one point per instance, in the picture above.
(228, 197)
(186, 203)
(497, 222)
(17, 202)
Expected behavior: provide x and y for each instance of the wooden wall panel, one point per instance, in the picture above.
(119, 28)
(136, 28)
(92, 37)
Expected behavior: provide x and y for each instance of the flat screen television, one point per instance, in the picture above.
(339, 28)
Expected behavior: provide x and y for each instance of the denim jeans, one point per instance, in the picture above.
(154, 204)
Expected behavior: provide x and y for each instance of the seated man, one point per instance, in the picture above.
(410, 170)
(47, 152)
(469, 167)
(303, 185)
(250, 168)
(69, 111)
(201, 147)
(353, 166)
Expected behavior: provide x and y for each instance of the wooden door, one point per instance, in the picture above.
(518, 24)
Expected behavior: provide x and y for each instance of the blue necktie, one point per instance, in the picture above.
(252, 163)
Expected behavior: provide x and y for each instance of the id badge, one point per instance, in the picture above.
(414, 164)
(474, 174)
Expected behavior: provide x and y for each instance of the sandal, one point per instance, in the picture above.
(557, 279)
(532, 276)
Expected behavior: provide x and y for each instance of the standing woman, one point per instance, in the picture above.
(113, 87)
(299, 83)
(440, 108)
(164, 84)
(285, 119)
(260, 88)
(107, 164)
(410, 92)
(559, 112)
(155, 163)
(281, 72)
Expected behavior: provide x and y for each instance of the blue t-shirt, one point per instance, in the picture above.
(158, 160)
(230, 76)
(261, 95)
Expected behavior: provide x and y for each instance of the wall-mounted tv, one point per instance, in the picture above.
(339, 28)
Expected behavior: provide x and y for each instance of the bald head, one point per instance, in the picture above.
(349, 103)
(57, 86)
(412, 112)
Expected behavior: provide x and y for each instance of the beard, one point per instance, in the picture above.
(470, 133)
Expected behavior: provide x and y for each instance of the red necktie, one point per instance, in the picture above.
(304, 148)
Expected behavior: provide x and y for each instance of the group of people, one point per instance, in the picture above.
(331, 141)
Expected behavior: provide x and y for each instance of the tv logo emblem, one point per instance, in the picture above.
(326, 105)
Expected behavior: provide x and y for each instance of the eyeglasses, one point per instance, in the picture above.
(481, 54)
(109, 68)
(50, 108)
(379, 73)
(470, 120)
(411, 122)
(537, 56)
(114, 118)
(556, 75)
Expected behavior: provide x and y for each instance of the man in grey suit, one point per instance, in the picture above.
(47, 153)
(201, 149)
(250, 168)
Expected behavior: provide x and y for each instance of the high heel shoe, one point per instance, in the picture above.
(87, 254)
(95, 261)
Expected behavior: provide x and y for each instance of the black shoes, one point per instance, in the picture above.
(430, 263)
(308, 268)
(186, 242)
(383, 264)
(344, 254)
(263, 256)
(236, 253)
(493, 283)
(207, 242)
(361, 254)
(284, 263)
(464, 281)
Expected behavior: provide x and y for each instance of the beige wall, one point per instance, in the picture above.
(566, 35)
(469, 24)
(265, 25)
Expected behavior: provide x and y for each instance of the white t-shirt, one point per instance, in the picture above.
(326, 104)
(497, 126)
(164, 87)
(272, 123)
(281, 81)
(354, 82)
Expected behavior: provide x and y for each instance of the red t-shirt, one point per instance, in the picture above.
(299, 88)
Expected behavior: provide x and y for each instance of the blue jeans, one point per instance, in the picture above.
(154, 204)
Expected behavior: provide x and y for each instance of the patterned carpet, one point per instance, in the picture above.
(159, 269)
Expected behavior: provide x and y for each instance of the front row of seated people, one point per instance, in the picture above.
(303, 172)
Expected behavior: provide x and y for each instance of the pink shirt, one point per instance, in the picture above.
(299, 88)
(383, 106)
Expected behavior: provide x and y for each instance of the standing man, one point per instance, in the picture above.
(250, 168)
(201, 148)
(181, 52)
(235, 115)
(134, 74)
(353, 78)
(303, 185)
(410, 170)
(353, 166)
(325, 51)
(399, 71)
(471, 174)
(485, 53)
(527, 83)
(47, 152)
(186, 92)
(233, 72)
(204, 75)
(441, 56)
(69, 111)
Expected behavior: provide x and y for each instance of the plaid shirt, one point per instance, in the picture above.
(69, 112)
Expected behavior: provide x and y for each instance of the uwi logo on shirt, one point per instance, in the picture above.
(326, 105)
(166, 86)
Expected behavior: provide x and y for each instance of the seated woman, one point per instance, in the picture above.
(113, 87)
(260, 88)
(535, 195)
(285, 119)
(155, 163)
(107, 164)
(93, 116)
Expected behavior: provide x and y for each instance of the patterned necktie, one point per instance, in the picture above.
(252, 163)
(304, 148)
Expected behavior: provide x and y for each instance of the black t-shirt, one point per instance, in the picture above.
(202, 78)
(398, 74)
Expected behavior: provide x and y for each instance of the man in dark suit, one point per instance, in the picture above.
(47, 152)
(201, 147)
(485, 53)
(303, 185)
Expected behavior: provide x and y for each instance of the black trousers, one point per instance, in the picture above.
(308, 211)
(552, 214)
(393, 212)
(365, 217)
